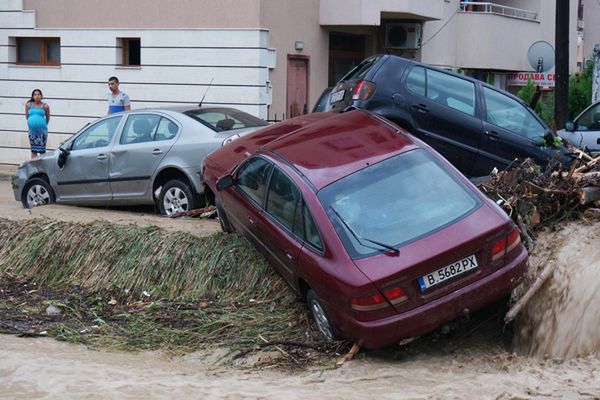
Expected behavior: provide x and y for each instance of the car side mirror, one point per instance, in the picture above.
(62, 157)
(225, 182)
(570, 126)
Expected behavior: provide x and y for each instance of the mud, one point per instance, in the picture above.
(142, 216)
(44, 369)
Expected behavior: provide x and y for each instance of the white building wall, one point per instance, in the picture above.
(177, 67)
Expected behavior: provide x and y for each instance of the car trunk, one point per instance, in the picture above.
(471, 236)
(341, 94)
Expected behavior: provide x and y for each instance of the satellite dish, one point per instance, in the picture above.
(541, 56)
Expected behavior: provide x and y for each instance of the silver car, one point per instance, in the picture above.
(584, 132)
(150, 156)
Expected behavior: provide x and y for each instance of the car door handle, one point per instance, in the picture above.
(102, 157)
(251, 220)
(289, 256)
(422, 108)
(493, 135)
(156, 152)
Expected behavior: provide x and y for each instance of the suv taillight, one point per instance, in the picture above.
(363, 90)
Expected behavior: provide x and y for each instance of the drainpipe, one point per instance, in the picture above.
(596, 75)
(561, 88)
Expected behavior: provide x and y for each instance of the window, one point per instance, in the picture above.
(252, 178)
(416, 81)
(98, 135)
(360, 71)
(451, 91)
(38, 51)
(590, 120)
(166, 130)
(284, 202)
(312, 234)
(131, 52)
(224, 119)
(511, 115)
(141, 128)
(394, 202)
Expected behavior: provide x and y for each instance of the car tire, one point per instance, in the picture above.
(319, 314)
(37, 192)
(176, 196)
(223, 221)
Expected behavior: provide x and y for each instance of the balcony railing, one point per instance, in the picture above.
(497, 9)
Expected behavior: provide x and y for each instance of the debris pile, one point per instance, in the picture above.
(536, 198)
(133, 288)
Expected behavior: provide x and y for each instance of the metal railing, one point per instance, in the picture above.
(497, 9)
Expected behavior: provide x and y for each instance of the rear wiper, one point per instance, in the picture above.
(362, 239)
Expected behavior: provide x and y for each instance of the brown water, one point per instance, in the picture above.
(47, 369)
(563, 320)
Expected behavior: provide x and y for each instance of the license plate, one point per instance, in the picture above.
(448, 272)
(337, 96)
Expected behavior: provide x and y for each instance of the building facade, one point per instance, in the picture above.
(272, 58)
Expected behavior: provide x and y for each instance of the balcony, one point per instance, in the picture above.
(497, 9)
(495, 36)
(370, 12)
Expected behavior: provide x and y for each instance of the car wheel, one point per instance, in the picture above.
(320, 316)
(223, 221)
(37, 192)
(176, 197)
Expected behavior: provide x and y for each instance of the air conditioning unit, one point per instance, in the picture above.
(402, 35)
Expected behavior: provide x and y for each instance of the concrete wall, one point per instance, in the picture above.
(289, 21)
(145, 13)
(369, 12)
(591, 30)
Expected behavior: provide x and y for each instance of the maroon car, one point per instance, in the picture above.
(381, 235)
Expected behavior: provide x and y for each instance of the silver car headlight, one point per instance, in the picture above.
(230, 139)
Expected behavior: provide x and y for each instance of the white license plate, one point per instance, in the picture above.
(448, 272)
(337, 96)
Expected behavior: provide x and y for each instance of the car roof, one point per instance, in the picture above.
(323, 147)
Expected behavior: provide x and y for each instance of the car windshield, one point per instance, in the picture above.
(396, 201)
(225, 119)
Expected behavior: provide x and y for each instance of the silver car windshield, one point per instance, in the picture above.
(396, 201)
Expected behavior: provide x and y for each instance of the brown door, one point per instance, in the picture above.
(297, 86)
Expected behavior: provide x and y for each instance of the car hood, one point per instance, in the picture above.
(574, 138)
(40, 159)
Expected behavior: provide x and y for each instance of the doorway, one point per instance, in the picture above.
(297, 86)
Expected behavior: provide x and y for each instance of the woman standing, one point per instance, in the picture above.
(38, 115)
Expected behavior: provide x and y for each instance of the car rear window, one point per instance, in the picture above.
(396, 201)
(360, 70)
(225, 119)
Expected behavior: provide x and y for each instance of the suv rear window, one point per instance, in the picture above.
(395, 202)
(360, 70)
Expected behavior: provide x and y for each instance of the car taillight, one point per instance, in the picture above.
(506, 244)
(363, 90)
(374, 302)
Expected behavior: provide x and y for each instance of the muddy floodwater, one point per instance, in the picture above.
(556, 356)
(47, 369)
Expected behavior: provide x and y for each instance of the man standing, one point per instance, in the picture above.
(117, 100)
